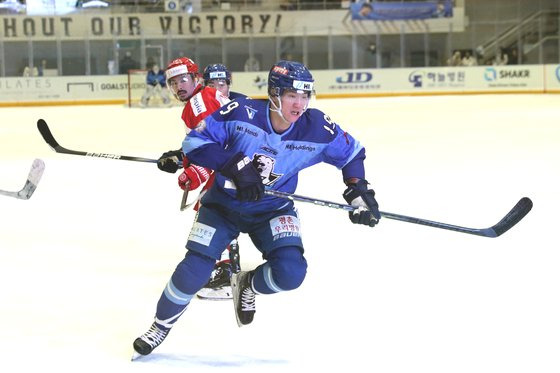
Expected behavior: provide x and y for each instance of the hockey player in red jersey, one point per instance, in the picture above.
(182, 76)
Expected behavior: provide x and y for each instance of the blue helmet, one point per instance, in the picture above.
(216, 71)
(289, 75)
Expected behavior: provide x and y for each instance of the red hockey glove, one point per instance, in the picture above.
(194, 175)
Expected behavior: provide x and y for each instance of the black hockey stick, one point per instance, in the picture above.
(49, 138)
(513, 217)
(35, 173)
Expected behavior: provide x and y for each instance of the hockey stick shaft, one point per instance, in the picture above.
(49, 138)
(185, 196)
(517, 213)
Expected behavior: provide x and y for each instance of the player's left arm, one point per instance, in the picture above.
(358, 194)
(348, 154)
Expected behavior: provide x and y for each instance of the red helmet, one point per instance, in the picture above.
(182, 65)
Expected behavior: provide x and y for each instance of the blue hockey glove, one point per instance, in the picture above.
(169, 161)
(245, 176)
(367, 210)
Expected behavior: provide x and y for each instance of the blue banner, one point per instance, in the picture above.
(379, 11)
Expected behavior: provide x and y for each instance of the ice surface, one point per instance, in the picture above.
(83, 262)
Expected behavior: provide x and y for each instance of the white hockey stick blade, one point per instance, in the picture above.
(31, 183)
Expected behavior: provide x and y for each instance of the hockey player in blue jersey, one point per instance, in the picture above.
(257, 145)
(218, 76)
(155, 86)
(219, 286)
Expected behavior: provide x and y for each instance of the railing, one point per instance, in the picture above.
(525, 36)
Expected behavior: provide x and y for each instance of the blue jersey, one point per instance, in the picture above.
(244, 126)
(235, 95)
(155, 78)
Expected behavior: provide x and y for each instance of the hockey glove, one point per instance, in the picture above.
(245, 176)
(193, 176)
(367, 210)
(169, 161)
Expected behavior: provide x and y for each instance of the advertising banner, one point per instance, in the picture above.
(380, 11)
(182, 25)
(552, 78)
(328, 84)
(64, 89)
(479, 79)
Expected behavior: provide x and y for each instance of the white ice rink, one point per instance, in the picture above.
(84, 261)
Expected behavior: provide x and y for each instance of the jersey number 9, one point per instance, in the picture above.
(232, 105)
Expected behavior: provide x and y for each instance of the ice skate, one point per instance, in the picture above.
(146, 343)
(243, 297)
(219, 285)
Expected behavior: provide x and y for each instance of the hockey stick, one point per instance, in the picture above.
(185, 195)
(31, 183)
(49, 138)
(513, 217)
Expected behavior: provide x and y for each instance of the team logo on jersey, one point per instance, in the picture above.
(265, 165)
(197, 105)
(250, 112)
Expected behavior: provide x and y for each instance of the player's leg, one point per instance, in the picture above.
(284, 270)
(189, 276)
(147, 95)
(219, 285)
(278, 238)
(208, 238)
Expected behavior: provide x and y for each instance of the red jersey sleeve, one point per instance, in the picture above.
(201, 105)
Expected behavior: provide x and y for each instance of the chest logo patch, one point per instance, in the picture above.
(250, 112)
(265, 165)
